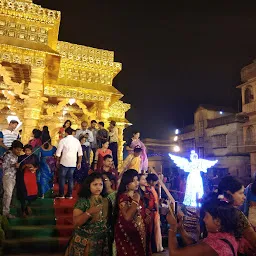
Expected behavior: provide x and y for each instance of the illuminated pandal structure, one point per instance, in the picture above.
(44, 81)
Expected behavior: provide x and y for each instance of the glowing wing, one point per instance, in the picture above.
(205, 164)
(181, 162)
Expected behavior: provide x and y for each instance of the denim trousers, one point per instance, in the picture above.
(66, 173)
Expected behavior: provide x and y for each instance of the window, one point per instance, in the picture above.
(249, 135)
(248, 95)
(188, 145)
(219, 141)
(201, 128)
(201, 152)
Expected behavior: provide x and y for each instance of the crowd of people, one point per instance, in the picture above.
(118, 211)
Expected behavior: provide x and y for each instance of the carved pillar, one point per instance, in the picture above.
(33, 103)
(103, 112)
(120, 144)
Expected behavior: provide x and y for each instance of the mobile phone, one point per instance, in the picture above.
(176, 208)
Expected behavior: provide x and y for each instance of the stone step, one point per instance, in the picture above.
(35, 245)
(40, 231)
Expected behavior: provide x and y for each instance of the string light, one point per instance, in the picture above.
(71, 101)
(194, 188)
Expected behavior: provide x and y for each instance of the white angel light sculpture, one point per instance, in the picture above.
(194, 187)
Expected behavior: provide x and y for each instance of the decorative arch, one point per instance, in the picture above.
(249, 135)
(248, 95)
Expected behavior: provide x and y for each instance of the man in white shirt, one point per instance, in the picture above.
(9, 135)
(113, 139)
(68, 150)
(84, 131)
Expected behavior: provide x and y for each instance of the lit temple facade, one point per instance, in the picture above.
(44, 81)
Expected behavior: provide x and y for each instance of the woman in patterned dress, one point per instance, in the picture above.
(222, 224)
(130, 233)
(91, 220)
(230, 186)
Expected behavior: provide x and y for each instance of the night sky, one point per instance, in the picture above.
(175, 56)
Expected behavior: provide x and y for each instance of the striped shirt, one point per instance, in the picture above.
(9, 137)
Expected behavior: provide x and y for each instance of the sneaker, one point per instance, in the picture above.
(60, 197)
(69, 197)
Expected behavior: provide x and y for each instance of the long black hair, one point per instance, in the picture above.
(111, 177)
(229, 183)
(127, 178)
(85, 191)
(67, 121)
(222, 209)
(46, 139)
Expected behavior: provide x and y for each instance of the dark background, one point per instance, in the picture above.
(175, 54)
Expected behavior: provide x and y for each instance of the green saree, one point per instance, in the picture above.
(91, 239)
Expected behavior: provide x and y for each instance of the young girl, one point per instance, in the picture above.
(130, 233)
(26, 180)
(90, 218)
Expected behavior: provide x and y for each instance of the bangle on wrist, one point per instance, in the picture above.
(88, 214)
(173, 230)
(135, 202)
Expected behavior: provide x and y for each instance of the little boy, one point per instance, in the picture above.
(10, 165)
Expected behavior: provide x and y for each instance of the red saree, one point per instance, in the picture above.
(148, 211)
(130, 236)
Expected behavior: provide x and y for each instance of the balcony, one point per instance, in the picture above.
(250, 107)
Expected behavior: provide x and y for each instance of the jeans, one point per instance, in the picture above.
(8, 186)
(66, 172)
(94, 154)
(114, 147)
(87, 154)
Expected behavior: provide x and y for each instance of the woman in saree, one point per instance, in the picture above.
(100, 153)
(91, 220)
(230, 186)
(26, 180)
(156, 240)
(36, 141)
(110, 184)
(47, 167)
(63, 128)
(130, 233)
(135, 142)
(149, 209)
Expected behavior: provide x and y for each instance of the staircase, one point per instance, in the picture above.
(46, 232)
